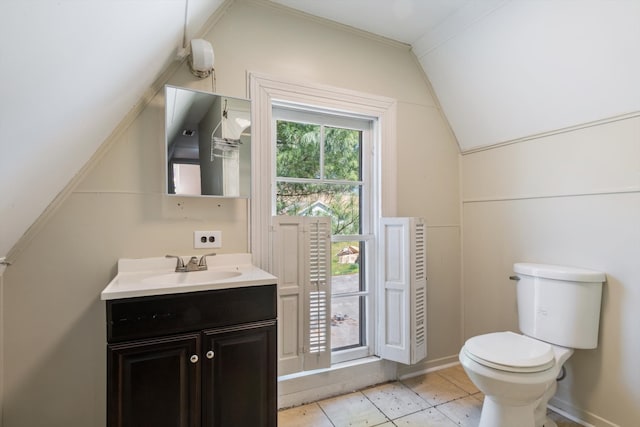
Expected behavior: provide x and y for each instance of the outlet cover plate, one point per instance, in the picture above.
(207, 239)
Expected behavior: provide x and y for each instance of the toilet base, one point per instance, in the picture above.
(496, 414)
(503, 414)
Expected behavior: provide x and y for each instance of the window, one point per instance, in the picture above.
(323, 168)
(373, 192)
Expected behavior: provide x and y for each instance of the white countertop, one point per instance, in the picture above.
(156, 276)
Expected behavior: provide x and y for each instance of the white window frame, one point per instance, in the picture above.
(366, 125)
(264, 92)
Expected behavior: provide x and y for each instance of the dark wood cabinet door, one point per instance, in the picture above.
(154, 382)
(239, 377)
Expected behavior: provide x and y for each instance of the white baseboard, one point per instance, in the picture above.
(578, 415)
(422, 368)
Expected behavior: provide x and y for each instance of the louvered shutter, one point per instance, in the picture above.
(419, 290)
(318, 294)
(301, 262)
(403, 291)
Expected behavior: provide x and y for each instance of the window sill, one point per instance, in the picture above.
(334, 367)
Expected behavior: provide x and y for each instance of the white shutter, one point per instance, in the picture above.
(318, 294)
(403, 291)
(301, 262)
(288, 265)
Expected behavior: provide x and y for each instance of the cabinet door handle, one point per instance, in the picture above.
(194, 358)
(210, 354)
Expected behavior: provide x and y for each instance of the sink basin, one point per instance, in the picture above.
(141, 277)
(192, 277)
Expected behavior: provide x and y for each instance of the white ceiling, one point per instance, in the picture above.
(502, 69)
(402, 20)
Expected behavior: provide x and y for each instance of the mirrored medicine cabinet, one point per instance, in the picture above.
(208, 144)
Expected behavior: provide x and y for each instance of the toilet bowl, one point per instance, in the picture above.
(517, 375)
(558, 311)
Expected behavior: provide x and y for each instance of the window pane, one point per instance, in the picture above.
(347, 321)
(342, 154)
(345, 268)
(297, 150)
(340, 202)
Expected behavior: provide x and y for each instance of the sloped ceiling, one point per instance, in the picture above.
(69, 72)
(502, 70)
(405, 21)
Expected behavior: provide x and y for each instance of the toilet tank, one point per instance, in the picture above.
(559, 305)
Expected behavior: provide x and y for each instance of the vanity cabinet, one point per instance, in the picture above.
(195, 359)
(238, 389)
(153, 383)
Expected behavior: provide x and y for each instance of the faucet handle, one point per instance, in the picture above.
(203, 260)
(179, 262)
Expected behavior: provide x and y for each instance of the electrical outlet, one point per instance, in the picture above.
(207, 239)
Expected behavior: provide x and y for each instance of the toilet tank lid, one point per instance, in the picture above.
(559, 272)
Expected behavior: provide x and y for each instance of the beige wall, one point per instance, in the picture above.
(54, 335)
(428, 186)
(572, 198)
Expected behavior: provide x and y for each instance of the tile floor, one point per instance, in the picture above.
(444, 398)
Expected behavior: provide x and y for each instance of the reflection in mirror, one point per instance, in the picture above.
(208, 140)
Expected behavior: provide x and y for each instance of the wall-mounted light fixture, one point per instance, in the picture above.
(201, 59)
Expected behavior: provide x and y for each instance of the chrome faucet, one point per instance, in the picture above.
(192, 265)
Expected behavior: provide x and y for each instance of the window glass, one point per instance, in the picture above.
(319, 170)
(342, 154)
(297, 150)
(340, 202)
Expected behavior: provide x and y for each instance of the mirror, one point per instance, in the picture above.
(208, 144)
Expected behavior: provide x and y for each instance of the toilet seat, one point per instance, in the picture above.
(510, 352)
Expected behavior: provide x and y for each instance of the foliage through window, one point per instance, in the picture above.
(321, 171)
(318, 173)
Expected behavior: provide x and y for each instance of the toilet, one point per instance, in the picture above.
(558, 311)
